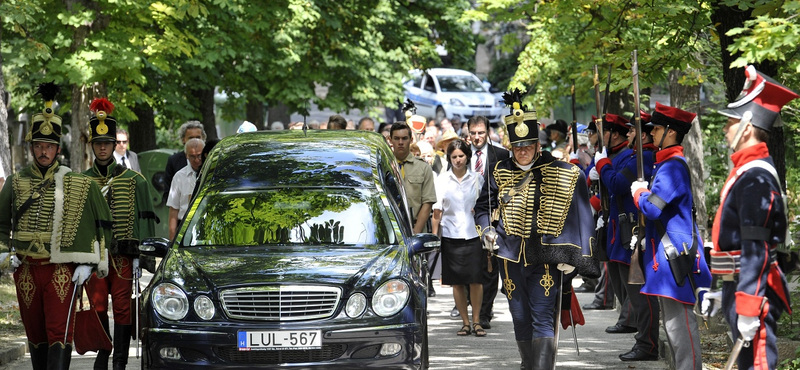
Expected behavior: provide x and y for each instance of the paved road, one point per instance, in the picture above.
(497, 350)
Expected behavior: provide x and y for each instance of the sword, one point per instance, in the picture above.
(137, 273)
(740, 342)
(71, 308)
(557, 322)
(735, 352)
(574, 335)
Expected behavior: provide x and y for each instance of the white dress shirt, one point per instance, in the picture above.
(484, 157)
(456, 200)
(180, 192)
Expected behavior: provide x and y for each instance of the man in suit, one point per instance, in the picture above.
(124, 156)
(177, 161)
(485, 156)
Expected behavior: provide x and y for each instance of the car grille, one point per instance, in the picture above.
(328, 352)
(280, 303)
(486, 106)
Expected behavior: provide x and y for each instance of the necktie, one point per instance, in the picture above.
(403, 169)
(123, 163)
(479, 162)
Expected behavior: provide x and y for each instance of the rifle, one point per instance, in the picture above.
(636, 275)
(602, 191)
(137, 274)
(574, 121)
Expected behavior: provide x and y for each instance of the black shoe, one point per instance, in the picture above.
(431, 293)
(637, 355)
(485, 324)
(597, 306)
(454, 313)
(621, 329)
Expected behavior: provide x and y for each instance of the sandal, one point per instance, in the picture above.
(478, 330)
(464, 331)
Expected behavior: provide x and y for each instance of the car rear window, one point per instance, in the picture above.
(336, 216)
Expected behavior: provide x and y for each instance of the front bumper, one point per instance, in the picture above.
(342, 348)
(465, 113)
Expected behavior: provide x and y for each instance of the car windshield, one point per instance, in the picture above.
(335, 216)
(460, 84)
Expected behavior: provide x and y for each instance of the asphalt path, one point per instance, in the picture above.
(497, 350)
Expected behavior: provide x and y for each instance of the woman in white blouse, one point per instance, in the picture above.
(457, 190)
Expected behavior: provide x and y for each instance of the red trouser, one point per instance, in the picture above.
(119, 283)
(44, 292)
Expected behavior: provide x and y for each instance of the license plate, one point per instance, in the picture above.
(480, 113)
(277, 340)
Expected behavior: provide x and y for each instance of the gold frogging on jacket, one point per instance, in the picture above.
(557, 187)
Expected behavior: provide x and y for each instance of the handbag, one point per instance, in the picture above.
(89, 334)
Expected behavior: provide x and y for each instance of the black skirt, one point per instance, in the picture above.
(463, 261)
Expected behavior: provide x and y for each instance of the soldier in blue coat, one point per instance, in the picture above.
(668, 203)
(751, 222)
(536, 210)
(618, 174)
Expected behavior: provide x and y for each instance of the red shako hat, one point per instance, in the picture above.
(671, 117)
(762, 96)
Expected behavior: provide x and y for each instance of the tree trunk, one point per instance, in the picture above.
(619, 102)
(278, 112)
(688, 99)
(5, 144)
(143, 131)
(255, 113)
(205, 104)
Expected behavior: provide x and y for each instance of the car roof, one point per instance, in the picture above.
(448, 72)
(292, 158)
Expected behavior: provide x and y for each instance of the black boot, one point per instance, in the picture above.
(101, 361)
(122, 342)
(38, 355)
(59, 356)
(544, 353)
(526, 353)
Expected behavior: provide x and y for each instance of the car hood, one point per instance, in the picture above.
(209, 268)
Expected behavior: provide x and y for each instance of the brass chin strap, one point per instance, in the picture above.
(747, 117)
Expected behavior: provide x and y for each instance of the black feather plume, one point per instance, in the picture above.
(410, 107)
(514, 96)
(48, 90)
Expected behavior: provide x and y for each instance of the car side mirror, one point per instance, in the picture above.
(155, 247)
(424, 243)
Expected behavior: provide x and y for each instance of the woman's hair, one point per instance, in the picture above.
(458, 144)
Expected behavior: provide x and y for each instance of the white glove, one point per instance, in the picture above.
(593, 174)
(9, 261)
(748, 325)
(82, 273)
(600, 223)
(489, 238)
(634, 242)
(712, 302)
(636, 185)
(600, 154)
(565, 268)
(573, 156)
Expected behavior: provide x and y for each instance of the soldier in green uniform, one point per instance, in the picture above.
(54, 230)
(128, 197)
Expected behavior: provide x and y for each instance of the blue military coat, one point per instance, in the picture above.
(548, 220)
(669, 200)
(617, 175)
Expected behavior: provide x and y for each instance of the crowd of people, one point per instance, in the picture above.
(518, 210)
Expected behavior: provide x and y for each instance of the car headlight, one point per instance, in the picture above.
(499, 104)
(390, 298)
(170, 301)
(204, 307)
(355, 305)
(456, 102)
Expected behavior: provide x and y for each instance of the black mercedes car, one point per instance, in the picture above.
(296, 252)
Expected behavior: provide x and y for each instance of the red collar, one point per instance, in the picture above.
(751, 153)
(667, 153)
(645, 147)
(619, 147)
